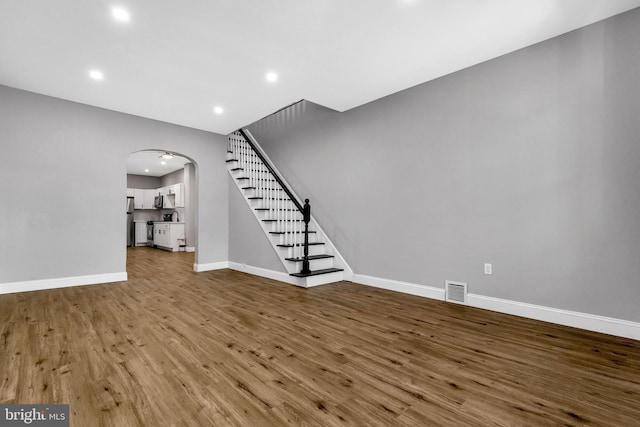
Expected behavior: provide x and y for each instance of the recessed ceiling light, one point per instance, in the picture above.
(120, 14)
(146, 170)
(167, 156)
(272, 77)
(96, 75)
(218, 110)
(163, 162)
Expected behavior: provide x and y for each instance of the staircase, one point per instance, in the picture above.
(305, 251)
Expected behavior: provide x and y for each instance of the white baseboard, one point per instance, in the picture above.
(62, 282)
(590, 322)
(395, 285)
(263, 272)
(190, 249)
(211, 266)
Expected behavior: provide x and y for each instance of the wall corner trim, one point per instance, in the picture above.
(61, 282)
(198, 268)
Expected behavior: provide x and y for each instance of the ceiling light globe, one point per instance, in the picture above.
(272, 77)
(120, 14)
(96, 75)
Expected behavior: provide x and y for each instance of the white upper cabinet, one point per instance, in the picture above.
(138, 198)
(143, 198)
(172, 197)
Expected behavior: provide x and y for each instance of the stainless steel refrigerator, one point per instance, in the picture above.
(131, 228)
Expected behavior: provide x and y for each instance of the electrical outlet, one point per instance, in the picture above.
(488, 269)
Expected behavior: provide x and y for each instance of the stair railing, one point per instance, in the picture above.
(286, 213)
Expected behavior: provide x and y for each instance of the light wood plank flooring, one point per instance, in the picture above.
(171, 347)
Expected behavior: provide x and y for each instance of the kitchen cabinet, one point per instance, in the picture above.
(179, 195)
(166, 235)
(138, 198)
(143, 198)
(149, 198)
(172, 197)
(141, 234)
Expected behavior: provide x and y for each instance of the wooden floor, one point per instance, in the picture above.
(171, 347)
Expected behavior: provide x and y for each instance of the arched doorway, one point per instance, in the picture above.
(161, 201)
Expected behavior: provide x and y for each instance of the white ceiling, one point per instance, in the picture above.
(174, 61)
(138, 163)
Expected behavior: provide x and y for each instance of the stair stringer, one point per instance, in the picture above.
(316, 235)
(291, 267)
(340, 261)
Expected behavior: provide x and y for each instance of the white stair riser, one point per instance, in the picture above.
(281, 239)
(313, 250)
(275, 226)
(321, 279)
(268, 214)
(262, 192)
(273, 214)
(260, 203)
(314, 264)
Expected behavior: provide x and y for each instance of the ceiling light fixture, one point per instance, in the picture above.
(272, 77)
(218, 110)
(167, 156)
(96, 75)
(120, 14)
(163, 162)
(146, 170)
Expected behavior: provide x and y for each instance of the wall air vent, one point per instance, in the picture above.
(455, 292)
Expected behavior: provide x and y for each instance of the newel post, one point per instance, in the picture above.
(306, 213)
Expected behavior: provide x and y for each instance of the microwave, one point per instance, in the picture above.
(157, 202)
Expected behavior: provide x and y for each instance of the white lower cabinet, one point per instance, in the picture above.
(166, 235)
(141, 233)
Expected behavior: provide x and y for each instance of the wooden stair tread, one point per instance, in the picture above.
(284, 232)
(317, 272)
(300, 244)
(311, 257)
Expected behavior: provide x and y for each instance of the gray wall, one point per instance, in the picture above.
(175, 177)
(142, 181)
(152, 182)
(248, 243)
(64, 166)
(528, 162)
